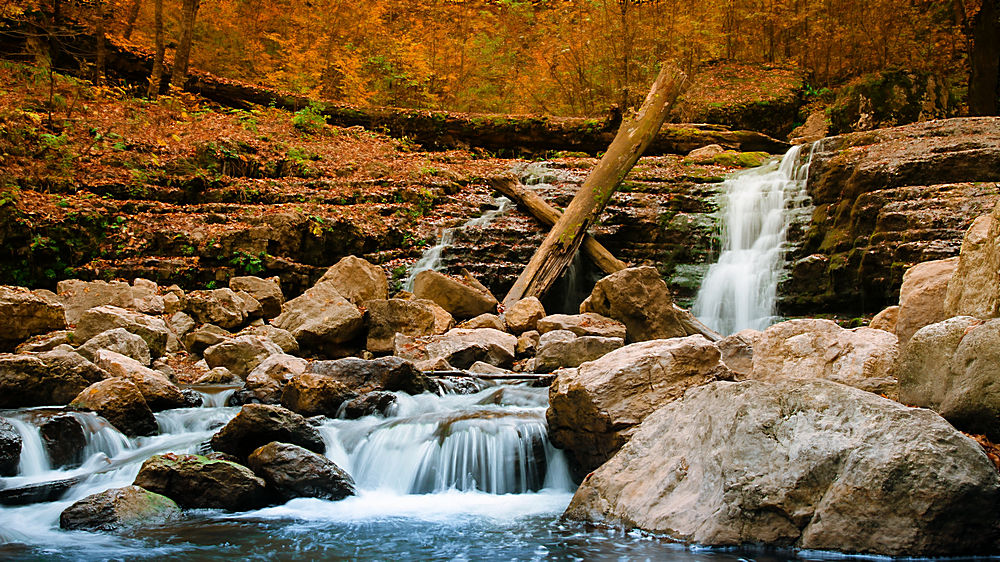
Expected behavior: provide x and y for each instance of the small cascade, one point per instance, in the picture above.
(432, 257)
(215, 396)
(34, 458)
(740, 290)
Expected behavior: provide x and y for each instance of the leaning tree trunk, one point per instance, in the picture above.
(156, 76)
(189, 12)
(102, 44)
(634, 135)
(984, 61)
(130, 17)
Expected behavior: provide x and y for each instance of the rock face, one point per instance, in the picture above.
(524, 315)
(26, 314)
(27, 380)
(157, 390)
(265, 291)
(386, 318)
(196, 482)
(461, 300)
(974, 289)
(221, 307)
(103, 318)
(638, 298)
(562, 348)
(461, 348)
(586, 324)
(321, 320)
(259, 424)
(811, 464)
(814, 348)
(120, 402)
(119, 509)
(922, 295)
(357, 280)
(241, 354)
(594, 409)
(10, 448)
(294, 472)
(120, 341)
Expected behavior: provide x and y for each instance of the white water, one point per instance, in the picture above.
(740, 290)
(432, 260)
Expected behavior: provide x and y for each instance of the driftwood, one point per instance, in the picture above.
(694, 326)
(549, 215)
(635, 135)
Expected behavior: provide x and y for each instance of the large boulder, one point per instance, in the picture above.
(386, 318)
(49, 379)
(974, 289)
(922, 295)
(384, 373)
(241, 354)
(26, 314)
(461, 298)
(222, 307)
(259, 424)
(815, 348)
(357, 280)
(594, 409)
(461, 348)
(586, 324)
(524, 315)
(265, 291)
(311, 394)
(806, 463)
(282, 338)
(562, 348)
(119, 509)
(321, 320)
(104, 318)
(268, 379)
(157, 390)
(638, 298)
(79, 296)
(293, 472)
(120, 402)
(120, 341)
(197, 482)
(10, 448)
(924, 366)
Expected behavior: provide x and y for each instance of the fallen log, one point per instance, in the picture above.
(635, 135)
(488, 376)
(549, 215)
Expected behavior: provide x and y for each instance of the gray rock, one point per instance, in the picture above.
(120, 341)
(321, 320)
(104, 318)
(924, 365)
(806, 463)
(241, 354)
(562, 348)
(294, 472)
(119, 509)
(972, 400)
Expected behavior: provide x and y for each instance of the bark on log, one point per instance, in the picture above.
(549, 215)
(634, 136)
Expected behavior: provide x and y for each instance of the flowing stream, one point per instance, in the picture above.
(740, 290)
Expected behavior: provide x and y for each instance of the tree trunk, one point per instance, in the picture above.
(549, 215)
(156, 76)
(130, 17)
(984, 61)
(102, 45)
(635, 134)
(189, 12)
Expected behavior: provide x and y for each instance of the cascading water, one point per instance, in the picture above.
(740, 290)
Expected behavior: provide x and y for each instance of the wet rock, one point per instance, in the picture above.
(104, 318)
(484, 321)
(311, 394)
(120, 402)
(527, 344)
(386, 318)
(120, 341)
(197, 482)
(259, 424)
(587, 324)
(64, 440)
(10, 448)
(922, 295)
(268, 379)
(806, 463)
(737, 352)
(79, 296)
(524, 315)
(812, 348)
(384, 373)
(197, 341)
(460, 299)
(49, 379)
(157, 390)
(26, 314)
(321, 320)
(974, 289)
(370, 404)
(638, 298)
(219, 375)
(357, 280)
(265, 291)
(294, 472)
(119, 509)
(562, 348)
(241, 354)
(461, 348)
(885, 320)
(192, 398)
(282, 338)
(594, 409)
(221, 307)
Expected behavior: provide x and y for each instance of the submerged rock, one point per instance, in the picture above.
(805, 463)
(119, 509)
(259, 424)
(293, 472)
(197, 482)
(120, 402)
(10, 448)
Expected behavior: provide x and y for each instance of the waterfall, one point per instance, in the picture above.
(740, 290)
(432, 257)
